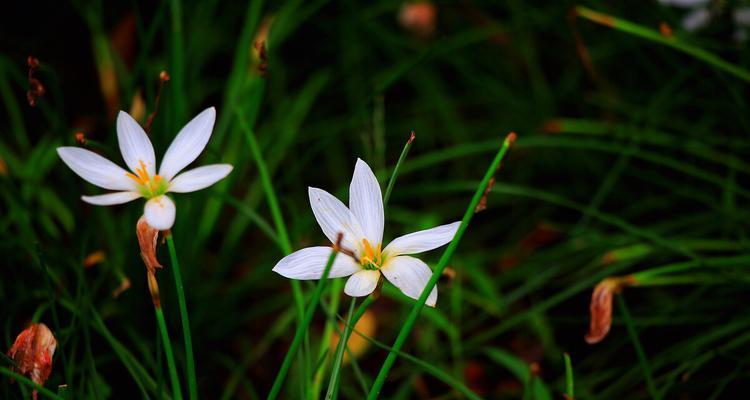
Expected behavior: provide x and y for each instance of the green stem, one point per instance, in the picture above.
(670, 41)
(299, 334)
(176, 390)
(325, 339)
(645, 366)
(394, 174)
(569, 382)
(273, 202)
(343, 341)
(414, 313)
(31, 384)
(187, 336)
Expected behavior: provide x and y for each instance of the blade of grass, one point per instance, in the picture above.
(299, 334)
(569, 382)
(642, 360)
(411, 319)
(332, 391)
(394, 174)
(186, 334)
(670, 41)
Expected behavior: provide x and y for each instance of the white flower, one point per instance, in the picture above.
(138, 154)
(361, 257)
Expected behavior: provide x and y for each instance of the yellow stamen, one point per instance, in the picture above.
(141, 174)
(371, 256)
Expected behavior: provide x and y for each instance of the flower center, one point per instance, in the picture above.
(372, 257)
(148, 186)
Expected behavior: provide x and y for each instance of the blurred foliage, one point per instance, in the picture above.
(632, 155)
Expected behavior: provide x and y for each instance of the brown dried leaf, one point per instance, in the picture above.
(601, 306)
(147, 237)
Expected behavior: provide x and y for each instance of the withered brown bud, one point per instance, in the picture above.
(32, 353)
(147, 237)
(601, 306)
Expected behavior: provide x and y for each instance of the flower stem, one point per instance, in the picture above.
(414, 313)
(187, 336)
(171, 365)
(340, 348)
(401, 159)
(273, 203)
(299, 334)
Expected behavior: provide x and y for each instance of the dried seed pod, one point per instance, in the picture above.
(601, 306)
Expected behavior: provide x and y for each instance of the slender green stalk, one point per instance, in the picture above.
(31, 384)
(414, 313)
(645, 366)
(187, 336)
(299, 334)
(569, 382)
(171, 365)
(343, 341)
(670, 41)
(273, 202)
(325, 338)
(401, 159)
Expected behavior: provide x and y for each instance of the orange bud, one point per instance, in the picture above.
(601, 306)
(418, 17)
(32, 353)
(147, 237)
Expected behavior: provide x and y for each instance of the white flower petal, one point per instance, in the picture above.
(110, 199)
(410, 275)
(420, 241)
(95, 168)
(188, 144)
(159, 212)
(135, 146)
(310, 262)
(362, 283)
(333, 217)
(199, 178)
(366, 202)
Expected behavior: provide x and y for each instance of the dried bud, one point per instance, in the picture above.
(665, 30)
(418, 18)
(94, 258)
(147, 237)
(601, 306)
(80, 138)
(36, 89)
(32, 353)
(124, 285)
(153, 288)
